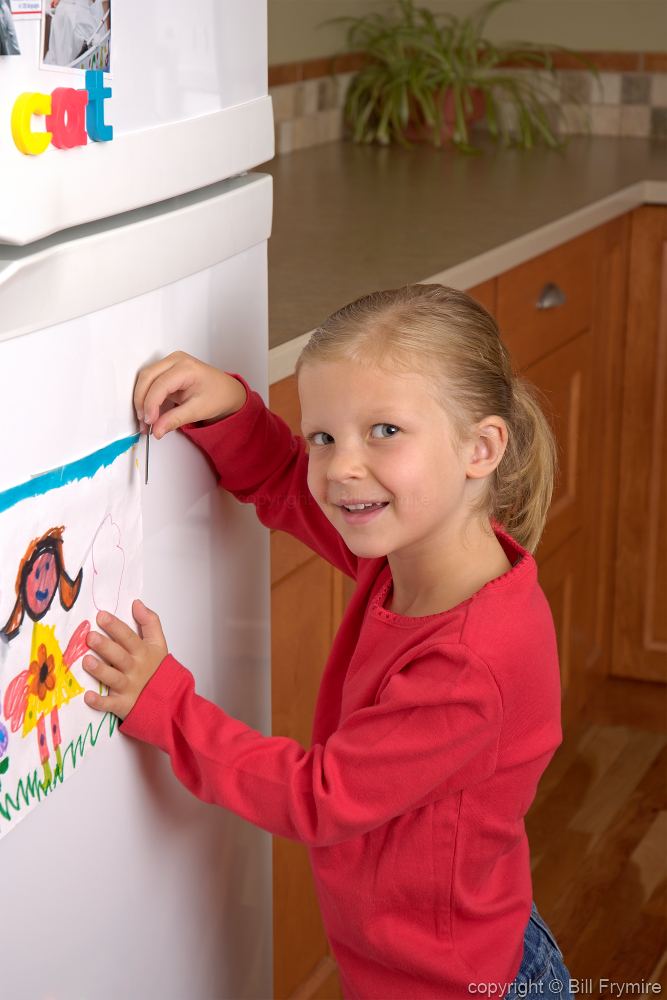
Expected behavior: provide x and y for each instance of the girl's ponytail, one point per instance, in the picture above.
(524, 479)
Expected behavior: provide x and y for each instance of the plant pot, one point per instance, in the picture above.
(418, 131)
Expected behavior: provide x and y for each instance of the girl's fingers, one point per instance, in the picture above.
(113, 679)
(118, 631)
(149, 623)
(146, 377)
(185, 413)
(108, 651)
(176, 379)
(103, 703)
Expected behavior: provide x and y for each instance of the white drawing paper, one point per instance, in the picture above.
(70, 546)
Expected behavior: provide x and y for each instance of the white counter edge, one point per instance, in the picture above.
(282, 359)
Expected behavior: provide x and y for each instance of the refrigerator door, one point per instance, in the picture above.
(189, 106)
(160, 894)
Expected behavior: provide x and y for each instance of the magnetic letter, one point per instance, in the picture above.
(67, 119)
(29, 142)
(97, 92)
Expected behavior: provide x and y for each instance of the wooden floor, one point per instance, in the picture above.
(598, 839)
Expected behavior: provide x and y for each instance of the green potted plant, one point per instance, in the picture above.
(428, 75)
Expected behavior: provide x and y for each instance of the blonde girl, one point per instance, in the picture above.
(424, 471)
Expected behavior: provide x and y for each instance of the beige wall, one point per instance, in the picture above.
(610, 25)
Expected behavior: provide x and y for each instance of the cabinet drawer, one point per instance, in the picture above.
(531, 332)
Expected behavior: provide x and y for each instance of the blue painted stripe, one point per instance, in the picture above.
(83, 468)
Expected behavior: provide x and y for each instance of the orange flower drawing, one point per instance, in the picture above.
(42, 674)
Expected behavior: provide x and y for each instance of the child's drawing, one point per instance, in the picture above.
(4, 742)
(38, 692)
(45, 725)
(107, 554)
(40, 574)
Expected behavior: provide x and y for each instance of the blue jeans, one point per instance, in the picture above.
(542, 971)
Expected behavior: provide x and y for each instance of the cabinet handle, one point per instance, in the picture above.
(550, 297)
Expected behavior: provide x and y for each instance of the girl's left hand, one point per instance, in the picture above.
(126, 661)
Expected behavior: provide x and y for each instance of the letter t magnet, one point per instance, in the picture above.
(97, 92)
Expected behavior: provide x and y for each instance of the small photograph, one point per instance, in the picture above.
(9, 43)
(76, 34)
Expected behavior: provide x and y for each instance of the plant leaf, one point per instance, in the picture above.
(414, 54)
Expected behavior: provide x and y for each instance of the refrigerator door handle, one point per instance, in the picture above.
(87, 268)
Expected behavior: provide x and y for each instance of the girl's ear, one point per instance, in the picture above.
(489, 447)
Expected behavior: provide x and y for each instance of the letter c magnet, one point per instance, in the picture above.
(25, 106)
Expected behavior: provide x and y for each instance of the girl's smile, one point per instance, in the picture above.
(364, 515)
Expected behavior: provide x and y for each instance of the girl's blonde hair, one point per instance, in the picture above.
(454, 342)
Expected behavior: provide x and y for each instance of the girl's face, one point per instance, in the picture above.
(379, 437)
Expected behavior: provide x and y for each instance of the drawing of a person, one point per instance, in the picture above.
(41, 573)
(38, 692)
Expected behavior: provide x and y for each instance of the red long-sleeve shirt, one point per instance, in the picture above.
(429, 738)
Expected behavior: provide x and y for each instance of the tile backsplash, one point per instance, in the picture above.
(310, 112)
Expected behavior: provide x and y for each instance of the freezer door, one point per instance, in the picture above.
(138, 889)
(189, 107)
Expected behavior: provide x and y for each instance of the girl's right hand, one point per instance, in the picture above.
(195, 391)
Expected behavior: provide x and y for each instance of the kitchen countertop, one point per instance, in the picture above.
(351, 219)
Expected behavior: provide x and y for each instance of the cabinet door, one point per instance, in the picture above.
(561, 577)
(564, 379)
(640, 600)
(602, 460)
(572, 352)
(299, 579)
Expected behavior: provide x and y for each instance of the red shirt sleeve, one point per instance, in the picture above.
(434, 729)
(258, 459)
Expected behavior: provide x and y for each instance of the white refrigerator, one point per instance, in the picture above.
(112, 254)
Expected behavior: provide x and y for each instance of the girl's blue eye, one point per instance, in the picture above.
(313, 436)
(387, 425)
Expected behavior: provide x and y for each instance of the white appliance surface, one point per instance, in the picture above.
(122, 884)
(189, 107)
(87, 267)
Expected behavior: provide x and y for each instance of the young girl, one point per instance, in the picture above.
(439, 707)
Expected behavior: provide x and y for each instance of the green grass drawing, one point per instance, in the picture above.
(31, 787)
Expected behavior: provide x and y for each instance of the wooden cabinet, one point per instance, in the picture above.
(300, 644)
(572, 352)
(548, 300)
(640, 598)
(298, 655)
(603, 554)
